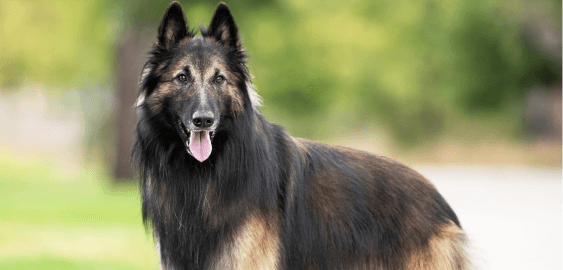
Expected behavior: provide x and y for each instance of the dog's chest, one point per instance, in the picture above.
(255, 245)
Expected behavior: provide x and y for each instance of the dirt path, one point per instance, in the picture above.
(512, 215)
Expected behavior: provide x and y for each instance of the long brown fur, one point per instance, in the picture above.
(264, 199)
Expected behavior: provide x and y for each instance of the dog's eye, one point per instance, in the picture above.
(219, 79)
(182, 78)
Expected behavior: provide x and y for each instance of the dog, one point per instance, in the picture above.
(223, 188)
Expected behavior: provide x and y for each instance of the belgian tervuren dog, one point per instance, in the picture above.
(222, 188)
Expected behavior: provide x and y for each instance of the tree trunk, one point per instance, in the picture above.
(131, 56)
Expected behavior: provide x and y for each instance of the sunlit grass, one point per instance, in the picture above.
(55, 216)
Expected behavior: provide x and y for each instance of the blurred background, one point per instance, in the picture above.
(468, 92)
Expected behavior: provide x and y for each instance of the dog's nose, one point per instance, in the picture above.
(203, 120)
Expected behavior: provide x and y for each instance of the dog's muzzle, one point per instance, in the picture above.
(197, 141)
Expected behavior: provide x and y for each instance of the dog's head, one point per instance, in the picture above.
(191, 84)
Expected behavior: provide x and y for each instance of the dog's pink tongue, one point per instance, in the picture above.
(200, 145)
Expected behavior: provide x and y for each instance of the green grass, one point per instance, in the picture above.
(62, 216)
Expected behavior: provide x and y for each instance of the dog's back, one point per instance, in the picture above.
(360, 211)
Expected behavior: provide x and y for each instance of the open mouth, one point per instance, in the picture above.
(198, 142)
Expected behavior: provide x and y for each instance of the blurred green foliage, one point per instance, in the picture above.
(414, 65)
(56, 42)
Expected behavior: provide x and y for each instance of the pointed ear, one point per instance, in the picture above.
(173, 27)
(223, 27)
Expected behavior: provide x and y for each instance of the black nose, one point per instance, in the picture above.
(203, 120)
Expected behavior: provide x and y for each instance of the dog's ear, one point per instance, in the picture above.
(173, 27)
(223, 27)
